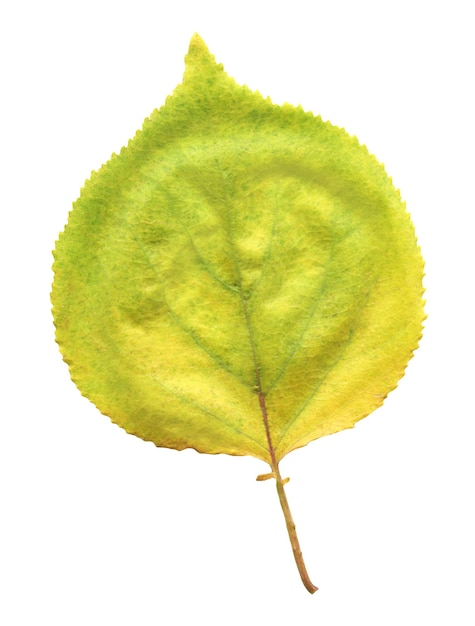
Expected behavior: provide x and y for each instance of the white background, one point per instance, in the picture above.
(100, 528)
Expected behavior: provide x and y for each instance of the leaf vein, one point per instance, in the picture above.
(207, 412)
(184, 328)
(290, 422)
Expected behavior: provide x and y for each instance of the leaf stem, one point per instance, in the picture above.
(284, 503)
(294, 541)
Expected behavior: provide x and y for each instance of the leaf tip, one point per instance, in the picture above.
(198, 51)
(197, 44)
(199, 61)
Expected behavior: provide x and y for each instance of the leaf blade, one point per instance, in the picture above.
(223, 203)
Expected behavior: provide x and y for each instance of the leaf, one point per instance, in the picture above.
(242, 278)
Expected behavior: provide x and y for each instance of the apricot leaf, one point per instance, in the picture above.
(242, 278)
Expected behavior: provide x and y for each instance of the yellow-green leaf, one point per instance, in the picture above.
(242, 278)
